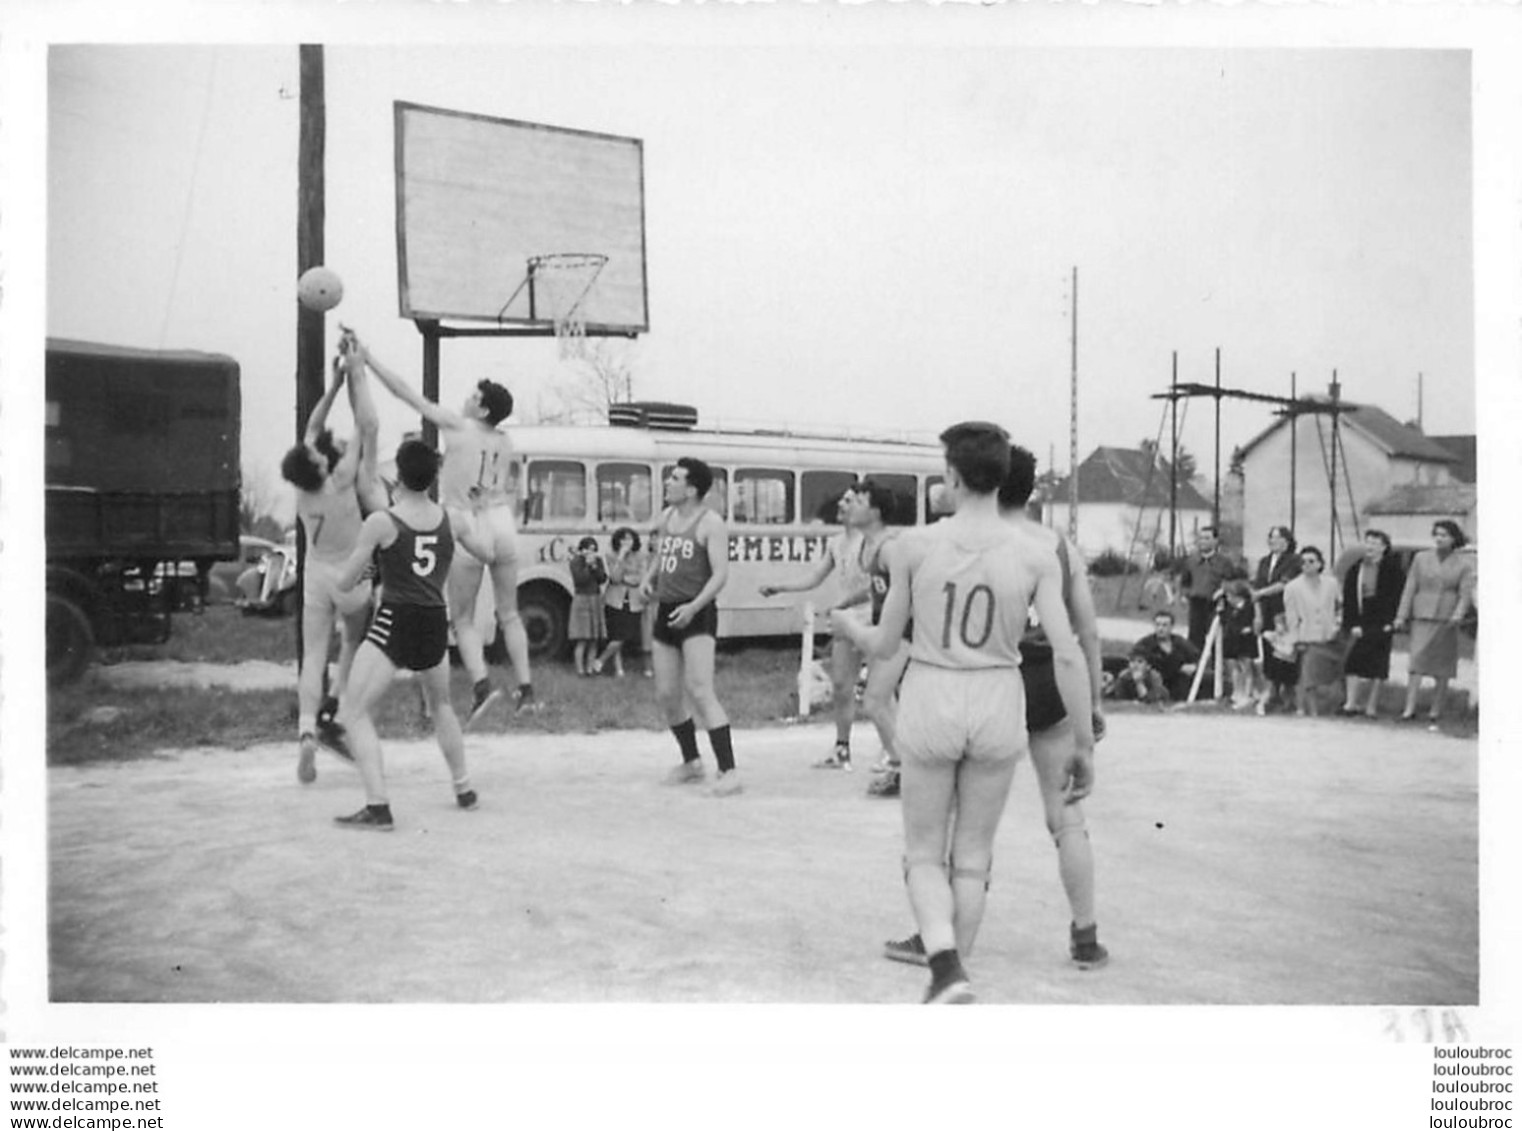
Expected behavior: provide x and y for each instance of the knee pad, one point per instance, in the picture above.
(984, 874)
(1069, 828)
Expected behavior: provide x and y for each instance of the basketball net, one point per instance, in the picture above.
(560, 287)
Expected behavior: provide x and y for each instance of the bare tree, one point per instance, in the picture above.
(602, 376)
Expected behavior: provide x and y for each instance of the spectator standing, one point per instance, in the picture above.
(588, 624)
(1275, 570)
(1371, 592)
(1310, 610)
(1202, 577)
(623, 605)
(1239, 642)
(1438, 595)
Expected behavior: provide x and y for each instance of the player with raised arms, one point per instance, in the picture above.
(968, 582)
(475, 488)
(328, 508)
(410, 630)
(688, 568)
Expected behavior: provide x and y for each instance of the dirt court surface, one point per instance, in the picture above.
(1240, 861)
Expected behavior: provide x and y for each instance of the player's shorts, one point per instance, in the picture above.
(706, 623)
(492, 531)
(1043, 702)
(414, 637)
(320, 589)
(948, 714)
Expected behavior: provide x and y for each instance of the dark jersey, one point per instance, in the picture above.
(682, 565)
(413, 567)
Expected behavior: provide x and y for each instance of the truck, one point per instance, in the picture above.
(143, 487)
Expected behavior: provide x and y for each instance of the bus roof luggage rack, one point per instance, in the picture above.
(654, 414)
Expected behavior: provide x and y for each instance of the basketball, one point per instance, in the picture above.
(319, 289)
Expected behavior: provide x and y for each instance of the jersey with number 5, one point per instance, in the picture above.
(413, 568)
(970, 594)
(477, 469)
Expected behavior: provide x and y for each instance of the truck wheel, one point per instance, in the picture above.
(71, 642)
(545, 612)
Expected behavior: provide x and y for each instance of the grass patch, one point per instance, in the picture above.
(92, 720)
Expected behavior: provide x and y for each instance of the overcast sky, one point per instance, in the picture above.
(878, 235)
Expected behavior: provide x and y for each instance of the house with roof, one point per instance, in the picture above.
(1287, 478)
(1123, 505)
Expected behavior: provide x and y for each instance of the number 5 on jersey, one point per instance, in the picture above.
(424, 559)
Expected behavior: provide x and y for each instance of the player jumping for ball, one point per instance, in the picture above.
(329, 509)
(967, 582)
(414, 545)
(687, 570)
(474, 486)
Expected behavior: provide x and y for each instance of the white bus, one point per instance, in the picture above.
(778, 492)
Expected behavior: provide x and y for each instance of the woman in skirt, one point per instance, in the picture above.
(1370, 599)
(1310, 608)
(624, 606)
(588, 627)
(1438, 595)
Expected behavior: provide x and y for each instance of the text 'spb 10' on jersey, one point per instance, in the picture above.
(477, 469)
(413, 568)
(971, 592)
(682, 565)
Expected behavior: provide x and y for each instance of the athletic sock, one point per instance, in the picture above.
(687, 738)
(723, 749)
(462, 784)
(946, 965)
(381, 810)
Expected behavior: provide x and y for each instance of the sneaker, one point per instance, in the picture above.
(367, 818)
(727, 784)
(482, 697)
(306, 760)
(686, 773)
(884, 764)
(466, 800)
(524, 702)
(839, 759)
(952, 989)
(334, 739)
(885, 785)
(910, 950)
(1084, 948)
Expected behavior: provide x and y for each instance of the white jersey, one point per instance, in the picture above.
(971, 591)
(332, 520)
(477, 469)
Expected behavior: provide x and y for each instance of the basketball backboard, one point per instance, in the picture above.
(477, 198)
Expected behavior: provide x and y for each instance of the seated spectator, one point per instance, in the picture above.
(1172, 657)
(1139, 683)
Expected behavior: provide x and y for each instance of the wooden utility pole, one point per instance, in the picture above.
(1073, 427)
(310, 218)
(1173, 467)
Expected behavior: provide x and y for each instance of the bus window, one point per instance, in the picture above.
(904, 490)
(557, 492)
(820, 493)
(718, 495)
(762, 496)
(934, 486)
(624, 492)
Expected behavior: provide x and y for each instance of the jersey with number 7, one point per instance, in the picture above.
(414, 566)
(970, 594)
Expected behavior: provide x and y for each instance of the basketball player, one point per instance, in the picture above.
(474, 488)
(410, 629)
(1051, 733)
(967, 582)
(879, 701)
(328, 509)
(688, 568)
(843, 558)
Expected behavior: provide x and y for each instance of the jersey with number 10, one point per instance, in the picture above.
(477, 469)
(970, 595)
(413, 567)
